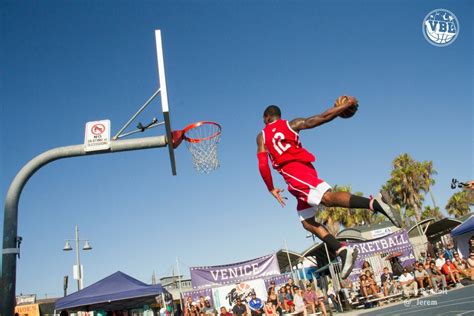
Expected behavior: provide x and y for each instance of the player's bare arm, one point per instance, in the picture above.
(299, 124)
(265, 171)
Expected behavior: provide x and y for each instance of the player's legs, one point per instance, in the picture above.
(378, 204)
(304, 184)
(348, 256)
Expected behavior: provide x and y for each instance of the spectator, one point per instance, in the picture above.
(269, 309)
(188, 306)
(289, 298)
(470, 264)
(282, 299)
(202, 303)
(333, 297)
(449, 269)
(423, 256)
(408, 284)
(321, 297)
(239, 308)
(387, 281)
(272, 285)
(371, 279)
(440, 261)
(300, 306)
(312, 300)
(289, 287)
(208, 309)
(437, 277)
(461, 265)
(256, 305)
(347, 288)
(224, 312)
(194, 310)
(422, 277)
(366, 287)
(397, 268)
(366, 266)
(449, 252)
(471, 244)
(272, 297)
(428, 260)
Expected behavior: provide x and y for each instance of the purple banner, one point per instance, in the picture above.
(202, 277)
(396, 244)
(197, 294)
(278, 279)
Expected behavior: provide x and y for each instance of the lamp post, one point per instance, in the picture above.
(87, 246)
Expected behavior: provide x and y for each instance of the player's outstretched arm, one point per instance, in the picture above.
(265, 171)
(322, 118)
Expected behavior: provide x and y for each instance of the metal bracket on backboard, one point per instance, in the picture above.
(154, 123)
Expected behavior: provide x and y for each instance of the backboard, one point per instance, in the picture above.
(164, 98)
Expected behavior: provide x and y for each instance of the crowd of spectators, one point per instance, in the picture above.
(285, 299)
(437, 269)
(428, 275)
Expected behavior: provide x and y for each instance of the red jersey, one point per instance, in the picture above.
(283, 144)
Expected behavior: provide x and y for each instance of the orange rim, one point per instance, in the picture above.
(197, 124)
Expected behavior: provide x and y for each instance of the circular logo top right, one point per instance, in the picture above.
(440, 27)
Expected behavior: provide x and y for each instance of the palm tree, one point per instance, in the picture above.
(364, 216)
(428, 172)
(409, 181)
(459, 203)
(336, 217)
(431, 212)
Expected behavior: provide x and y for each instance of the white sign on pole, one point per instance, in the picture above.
(75, 272)
(97, 135)
(381, 232)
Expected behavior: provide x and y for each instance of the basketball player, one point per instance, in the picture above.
(279, 140)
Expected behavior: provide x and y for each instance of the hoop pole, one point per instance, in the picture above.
(136, 114)
(10, 219)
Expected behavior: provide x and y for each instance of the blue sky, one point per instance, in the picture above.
(64, 63)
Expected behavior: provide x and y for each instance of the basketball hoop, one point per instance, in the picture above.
(201, 139)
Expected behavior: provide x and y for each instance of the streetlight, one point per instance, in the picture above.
(67, 247)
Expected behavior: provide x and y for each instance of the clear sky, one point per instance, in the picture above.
(64, 63)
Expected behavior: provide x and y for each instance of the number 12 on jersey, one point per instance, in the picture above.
(277, 143)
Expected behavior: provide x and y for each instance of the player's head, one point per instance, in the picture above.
(271, 114)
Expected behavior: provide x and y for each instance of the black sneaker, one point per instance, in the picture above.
(348, 257)
(390, 212)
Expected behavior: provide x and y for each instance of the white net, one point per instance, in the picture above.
(202, 142)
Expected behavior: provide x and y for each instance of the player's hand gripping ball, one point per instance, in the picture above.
(351, 110)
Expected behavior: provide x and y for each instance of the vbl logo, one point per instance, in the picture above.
(440, 27)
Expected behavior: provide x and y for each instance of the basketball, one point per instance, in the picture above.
(350, 111)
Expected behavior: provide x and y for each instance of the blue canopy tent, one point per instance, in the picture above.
(115, 292)
(462, 234)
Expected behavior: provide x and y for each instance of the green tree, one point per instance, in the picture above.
(334, 217)
(431, 212)
(460, 202)
(409, 182)
(364, 216)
